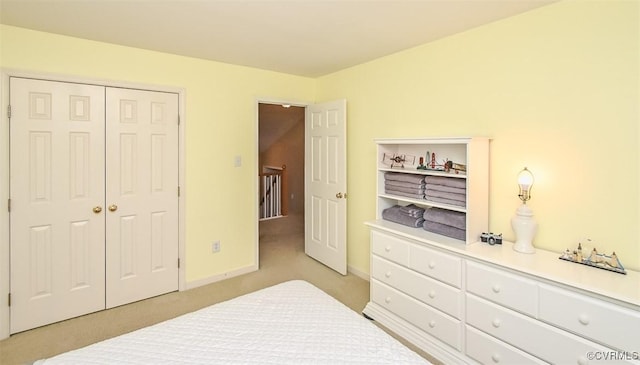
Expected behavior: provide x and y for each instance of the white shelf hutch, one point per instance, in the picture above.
(469, 302)
(472, 152)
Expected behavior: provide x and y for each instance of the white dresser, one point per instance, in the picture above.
(476, 303)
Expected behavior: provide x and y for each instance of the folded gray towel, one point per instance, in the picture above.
(446, 189)
(412, 178)
(413, 211)
(441, 194)
(444, 216)
(404, 189)
(443, 229)
(394, 214)
(446, 181)
(402, 193)
(404, 184)
(445, 201)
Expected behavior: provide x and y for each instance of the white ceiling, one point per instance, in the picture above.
(300, 37)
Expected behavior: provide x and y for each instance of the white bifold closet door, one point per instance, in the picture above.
(142, 195)
(94, 204)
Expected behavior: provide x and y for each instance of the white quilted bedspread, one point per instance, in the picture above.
(290, 323)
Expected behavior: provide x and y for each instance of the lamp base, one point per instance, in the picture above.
(525, 228)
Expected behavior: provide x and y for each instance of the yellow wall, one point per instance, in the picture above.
(557, 89)
(220, 124)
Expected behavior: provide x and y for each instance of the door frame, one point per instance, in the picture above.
(256, 187)
(5, 257)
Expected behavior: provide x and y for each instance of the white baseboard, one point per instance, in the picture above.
(220, 277)
(359, 273)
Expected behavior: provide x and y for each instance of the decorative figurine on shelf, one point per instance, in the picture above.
(432, 165)
(455, 167)
(491, 238)
(421, 165)
(398, 160)
(595, 259)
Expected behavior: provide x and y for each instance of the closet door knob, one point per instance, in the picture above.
(113, 208)
(339, 195)
(97, 209)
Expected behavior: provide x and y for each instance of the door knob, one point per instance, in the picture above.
(97, 209)
(339, 195)
(113, 208)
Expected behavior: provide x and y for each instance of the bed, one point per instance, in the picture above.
(290, 323)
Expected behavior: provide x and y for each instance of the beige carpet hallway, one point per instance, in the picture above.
(282, 258)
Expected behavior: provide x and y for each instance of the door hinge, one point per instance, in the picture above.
(9, 299)
(178, 191)
(9, 111)
(178, 119)
(178, 263)
(9, 205)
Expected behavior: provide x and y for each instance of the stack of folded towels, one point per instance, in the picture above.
(441, 189)
(410, 215)
(407, 185)
(445, 222)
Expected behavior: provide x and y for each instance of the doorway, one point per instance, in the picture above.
(281, 148)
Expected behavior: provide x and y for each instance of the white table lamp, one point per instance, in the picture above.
(523, 224)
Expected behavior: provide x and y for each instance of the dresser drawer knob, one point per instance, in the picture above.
(582, 361)
(432, 294)
(583, 319)
(387, 274)
(432, 324)
(495, 358)
(387, 300)
(496, 323)
(496, 288)
(432, 264)
(387, 249)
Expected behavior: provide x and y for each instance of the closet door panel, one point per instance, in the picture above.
(57, 195)
(142, 196)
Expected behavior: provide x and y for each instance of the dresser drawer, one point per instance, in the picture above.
(390, 247)
(438, 265)
(488, 350)
(589, 317)
(503, 288)
(446, 328)
(441, 296)
(536, 338)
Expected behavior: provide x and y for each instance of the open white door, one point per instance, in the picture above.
(326, 184)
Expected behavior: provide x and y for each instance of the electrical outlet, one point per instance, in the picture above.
(215, 246)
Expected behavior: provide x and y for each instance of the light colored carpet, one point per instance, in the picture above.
(282, 258)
